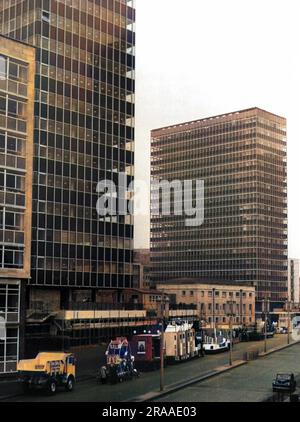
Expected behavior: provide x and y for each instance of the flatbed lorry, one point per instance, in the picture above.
(47, 371)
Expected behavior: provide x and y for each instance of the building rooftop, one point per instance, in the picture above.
(182, 281)
(212, 119)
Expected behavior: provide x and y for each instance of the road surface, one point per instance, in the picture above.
(89, 391)
(248, 383)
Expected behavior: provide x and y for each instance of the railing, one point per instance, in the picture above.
(181, 306)
(88, 306)
(91, 306)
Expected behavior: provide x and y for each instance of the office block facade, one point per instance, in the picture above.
(83, 133)
(17, 69)
(241, 157)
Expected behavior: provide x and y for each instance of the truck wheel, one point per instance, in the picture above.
(70, 384)
(52, 387)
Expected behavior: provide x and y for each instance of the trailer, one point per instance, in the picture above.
(179, 343)
(48, 371)
(146, 350)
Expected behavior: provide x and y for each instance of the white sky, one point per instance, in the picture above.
(197, 58)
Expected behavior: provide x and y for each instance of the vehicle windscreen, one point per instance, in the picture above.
(283, 377)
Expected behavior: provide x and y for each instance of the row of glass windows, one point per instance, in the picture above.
(217, 293)
(106, 158)
(80, 265)
(10, 123)
(13, 107)
(216, 129)
(11, 144)
(226, 319)
(9, 351)
(9, 299)
(226, 140)
(84, 108)
(95, 8)
(11, 182)
(13, 87)
(201, 163)
(9, 237)
(10, 219)
(165, 272)
(80, 238)
(79, 279)
(11, 257)
(48, 24)
(12, 199)
(73, 131)
(72, 78)
(13, 69)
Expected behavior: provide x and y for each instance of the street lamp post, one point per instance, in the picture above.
(164, 301)
(230, 350)
(230, 313)
(266, 308)
(288, 304)
(162, 340)
(202, 335)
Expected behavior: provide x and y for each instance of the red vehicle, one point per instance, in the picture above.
(146, 350)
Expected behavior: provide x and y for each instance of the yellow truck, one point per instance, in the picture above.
(48, 371)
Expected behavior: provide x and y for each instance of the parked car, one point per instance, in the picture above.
(284, 383)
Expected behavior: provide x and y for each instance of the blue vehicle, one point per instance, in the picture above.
(119, 362)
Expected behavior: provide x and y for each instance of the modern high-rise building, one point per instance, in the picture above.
(241, 157)
(294, 281)
(83, 133)
(17, 69)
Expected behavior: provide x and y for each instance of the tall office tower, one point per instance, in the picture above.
(241, 157)
(83, 133)
(294, 281)
(17, 68)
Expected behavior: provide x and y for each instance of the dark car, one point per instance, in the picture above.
(284, 383)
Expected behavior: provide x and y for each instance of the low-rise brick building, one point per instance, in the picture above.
(212, 301)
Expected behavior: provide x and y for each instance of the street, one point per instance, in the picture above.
(248, 383)
(87, 390)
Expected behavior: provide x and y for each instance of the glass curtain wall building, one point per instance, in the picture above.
(83, 133)
(17, 67)
(241, 157)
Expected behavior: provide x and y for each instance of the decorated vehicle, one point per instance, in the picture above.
(119, 362)
(47, 371)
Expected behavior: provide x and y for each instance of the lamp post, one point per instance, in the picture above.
(164, 301)
(202, 322)
(288, 308)
(230, 312)
(266, 310)
(230, 346)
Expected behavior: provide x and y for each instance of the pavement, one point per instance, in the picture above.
(87, 390)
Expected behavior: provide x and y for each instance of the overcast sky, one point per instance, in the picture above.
(199, 58)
